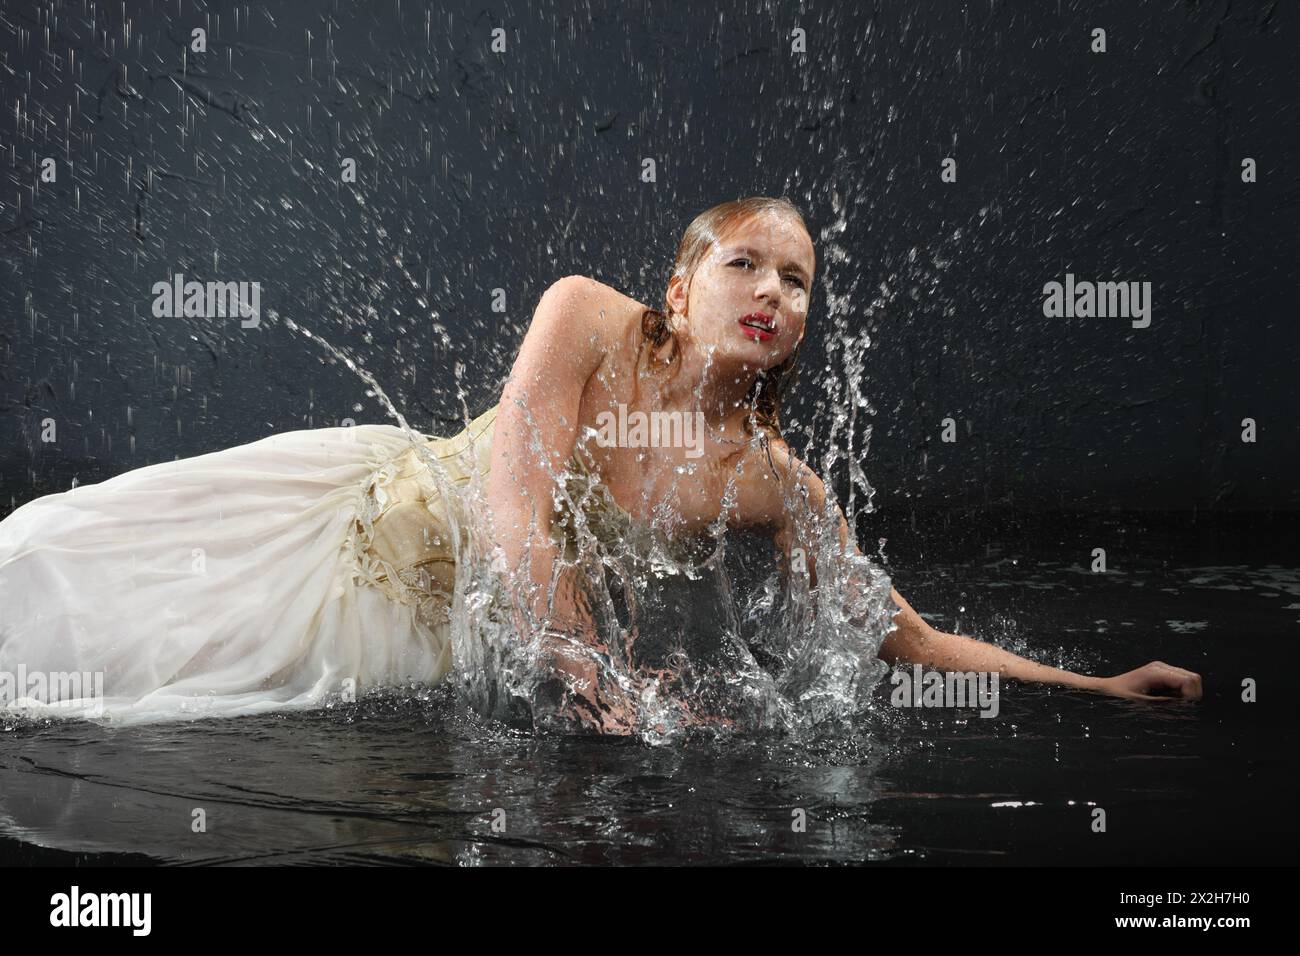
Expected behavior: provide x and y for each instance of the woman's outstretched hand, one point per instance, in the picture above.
(1154, 681)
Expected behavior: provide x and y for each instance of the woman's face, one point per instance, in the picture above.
(747, 302)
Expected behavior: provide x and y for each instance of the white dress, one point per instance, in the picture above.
(275, 575)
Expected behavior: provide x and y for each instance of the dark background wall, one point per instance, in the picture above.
(480, 170)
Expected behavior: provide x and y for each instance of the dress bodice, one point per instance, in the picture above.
(409, 517)
(610, 524)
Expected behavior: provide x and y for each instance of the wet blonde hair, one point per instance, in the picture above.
(656, 324)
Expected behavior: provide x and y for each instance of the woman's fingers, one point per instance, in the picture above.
(1186, 683)
(1157, 681)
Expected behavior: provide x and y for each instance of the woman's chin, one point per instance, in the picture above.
(750, 355)
(767, 358)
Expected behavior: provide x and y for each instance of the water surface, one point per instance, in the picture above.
(421, 780)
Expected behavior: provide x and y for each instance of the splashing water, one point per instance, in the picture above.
(713, 637)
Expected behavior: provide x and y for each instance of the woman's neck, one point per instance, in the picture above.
(719, 390)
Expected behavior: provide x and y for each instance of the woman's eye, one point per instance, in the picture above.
(793, 278)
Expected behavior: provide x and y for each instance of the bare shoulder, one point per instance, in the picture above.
(768, 475)
(774, 460)
(617, 302)
(781, 495)
(594, 307)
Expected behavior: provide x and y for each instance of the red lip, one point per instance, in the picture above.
(758, 326)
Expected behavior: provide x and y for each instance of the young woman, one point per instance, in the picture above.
(279, 574)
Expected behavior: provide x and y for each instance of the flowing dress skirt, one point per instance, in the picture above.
(275, 575)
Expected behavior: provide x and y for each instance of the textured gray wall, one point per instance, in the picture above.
(480, 170)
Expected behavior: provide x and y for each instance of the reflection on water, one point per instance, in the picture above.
(422, 779)
(414, 781)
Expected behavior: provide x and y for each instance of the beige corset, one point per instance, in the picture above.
(403, 538)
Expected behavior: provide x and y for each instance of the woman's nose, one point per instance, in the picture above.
(769, 284)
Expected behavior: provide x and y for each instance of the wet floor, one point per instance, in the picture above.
(419, 781)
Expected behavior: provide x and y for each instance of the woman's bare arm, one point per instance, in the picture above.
(536, 427)
(913, 640)
(573, 328)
